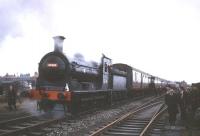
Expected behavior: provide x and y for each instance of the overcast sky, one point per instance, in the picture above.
(159, 37)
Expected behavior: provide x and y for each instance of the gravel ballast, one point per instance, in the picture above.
(88, 123)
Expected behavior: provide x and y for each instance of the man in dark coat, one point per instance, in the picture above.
(194, 99)
(11, 97)
(182, 103)
(172, 105)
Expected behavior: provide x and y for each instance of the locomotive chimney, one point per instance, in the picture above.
(58, 43)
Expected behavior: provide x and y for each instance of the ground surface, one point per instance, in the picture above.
(190, 127)
(83, 125)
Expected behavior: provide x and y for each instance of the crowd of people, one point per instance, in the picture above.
(182, 100)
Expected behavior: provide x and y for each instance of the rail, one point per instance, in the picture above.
(124, 117)
(155, 116)
(25, 124)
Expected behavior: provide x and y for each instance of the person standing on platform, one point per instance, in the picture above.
(11, 98)
(172, 105)
(182, 103)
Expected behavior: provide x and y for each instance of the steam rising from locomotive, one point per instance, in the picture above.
(79, 86)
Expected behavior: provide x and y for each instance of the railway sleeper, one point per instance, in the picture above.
(36, 133)
(120, 134)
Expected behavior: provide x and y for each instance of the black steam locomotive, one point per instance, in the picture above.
(78, 87)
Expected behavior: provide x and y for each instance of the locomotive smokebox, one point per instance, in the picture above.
(58, 43)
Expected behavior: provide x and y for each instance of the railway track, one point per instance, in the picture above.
(32, 125)
(12, 115)
(27, 125)
(142, 121)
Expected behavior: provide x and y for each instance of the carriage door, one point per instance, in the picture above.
(106, 62)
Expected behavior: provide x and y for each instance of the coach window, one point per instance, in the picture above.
(144, 79)
(135, 76)
(148, 79)
(139, 78)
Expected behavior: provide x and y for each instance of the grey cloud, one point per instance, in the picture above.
(11, 9)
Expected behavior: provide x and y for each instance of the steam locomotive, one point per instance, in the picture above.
(79, 87)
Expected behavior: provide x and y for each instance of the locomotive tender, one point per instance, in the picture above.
(80, 87)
